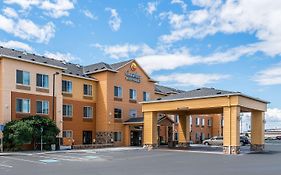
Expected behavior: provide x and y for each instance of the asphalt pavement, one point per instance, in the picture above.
(137, 161)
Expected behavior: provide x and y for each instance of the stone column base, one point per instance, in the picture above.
(257, 147)
(150, 146)
(183, 144)
(233, 150)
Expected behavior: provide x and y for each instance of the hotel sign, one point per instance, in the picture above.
(132, 76)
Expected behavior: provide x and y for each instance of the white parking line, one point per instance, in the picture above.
(7, 166)
(24, 160)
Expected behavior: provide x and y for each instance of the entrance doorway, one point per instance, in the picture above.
(87, 137)
(136, 138)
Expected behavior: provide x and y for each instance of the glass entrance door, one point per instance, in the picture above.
(87, 137)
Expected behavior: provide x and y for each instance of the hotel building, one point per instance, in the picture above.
(97, 103)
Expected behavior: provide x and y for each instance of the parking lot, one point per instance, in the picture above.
(139, 161)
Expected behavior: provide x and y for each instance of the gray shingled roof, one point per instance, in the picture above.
(167, 90)
(198, 93)
(30, 57)
(68, 68)
(102, 66)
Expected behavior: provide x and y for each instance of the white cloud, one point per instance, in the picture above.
(68, 23)
(230, 17)
(26, 29)
(89, 14)
(114, 20)
(124, 50)
(273, 115)
(181, 3)
(151, 7)
(16, 45)
(270, 76)
(191, 79)
(9, 12)
(58, 8)
(61, 56)
(25, 4)
(53, 8)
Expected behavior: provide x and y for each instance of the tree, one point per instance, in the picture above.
(28, 130)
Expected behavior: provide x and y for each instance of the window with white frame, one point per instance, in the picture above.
(197, 121)
(118, 91)
(133, 113)
(67, 110)
(22, 77)
(42, 80)
(176, 118)
(88, 112)
(23, 105)
(88, 89)
(133, 94)
(117, 136)
(202, 121)
(42, 107)
(209, 122)
(146, 96)
(67, 134)
(190, 120)
(66, 86)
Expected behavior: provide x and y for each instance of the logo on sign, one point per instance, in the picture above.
(133, 66)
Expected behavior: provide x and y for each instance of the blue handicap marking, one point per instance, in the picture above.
(49, 161)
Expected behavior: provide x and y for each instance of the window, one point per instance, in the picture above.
(88, 89)
(222, 122)
(133, 113)
(88, 112)
(133, 94)
(42, 80)
(117, 136)
(118, 91)
(67, 110)
(117, 113)
(146, 96)
(176, 118)
(42, 107)
(190, 122)
(197, 121)
(66, 86)
(23, 105)
(203, 122)
(209, 122)
(23, 77)
(67, 134)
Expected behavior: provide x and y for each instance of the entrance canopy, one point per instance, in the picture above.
(207, 101)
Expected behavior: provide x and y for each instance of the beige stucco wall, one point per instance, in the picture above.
(8, 84)
(105, 98)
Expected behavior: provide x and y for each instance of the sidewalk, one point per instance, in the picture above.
(28, 153)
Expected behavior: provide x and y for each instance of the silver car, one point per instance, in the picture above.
(217, 140)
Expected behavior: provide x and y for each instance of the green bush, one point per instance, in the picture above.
(28, 131)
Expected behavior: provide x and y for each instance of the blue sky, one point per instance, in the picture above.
(232, 45)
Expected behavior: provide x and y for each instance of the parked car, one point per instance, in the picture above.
(278, 137)
(217, 140)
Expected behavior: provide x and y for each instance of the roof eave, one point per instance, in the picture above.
(76, 76)
(33, 62)
(203, 97)
(93, 72)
